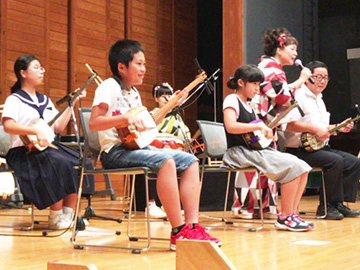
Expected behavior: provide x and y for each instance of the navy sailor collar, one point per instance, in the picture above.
(25, 97)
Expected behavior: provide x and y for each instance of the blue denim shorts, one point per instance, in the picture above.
(149, 156)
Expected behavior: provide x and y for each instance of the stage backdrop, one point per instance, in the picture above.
(65, 35)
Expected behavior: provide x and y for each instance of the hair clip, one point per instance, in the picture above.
(231, 78)
(282, 40)
(165, 84)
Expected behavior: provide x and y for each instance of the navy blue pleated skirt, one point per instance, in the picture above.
(48, 176)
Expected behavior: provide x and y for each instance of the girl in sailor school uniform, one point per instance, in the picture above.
(47, 178)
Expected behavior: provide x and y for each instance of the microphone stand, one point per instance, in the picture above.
(210, 88)
(215, 97)
(176, 110)
(175, 113)
(80, 225)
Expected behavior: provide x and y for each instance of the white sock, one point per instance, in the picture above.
(54, 213)
(67, 210)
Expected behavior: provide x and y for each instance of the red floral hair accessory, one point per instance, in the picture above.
(282, 40)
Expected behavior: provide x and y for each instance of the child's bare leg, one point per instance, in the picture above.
(168, 191)
(300, 191)
(190, 193)
(288, 196)
(70, 200)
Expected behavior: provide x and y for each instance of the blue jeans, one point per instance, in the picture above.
(149, 156)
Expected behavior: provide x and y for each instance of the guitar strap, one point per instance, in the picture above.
(42, 99)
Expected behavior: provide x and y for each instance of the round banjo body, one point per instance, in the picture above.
(311, 142)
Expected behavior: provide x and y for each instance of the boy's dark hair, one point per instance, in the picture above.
(315, 64)
(248, 73)
(123, 51)
(161, 88)
(22, 63)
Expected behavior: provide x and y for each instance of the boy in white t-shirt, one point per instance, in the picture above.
(113, 100)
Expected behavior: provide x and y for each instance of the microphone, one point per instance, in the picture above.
(66, 98)
(197, 64)
(208, 87)
(300, 65)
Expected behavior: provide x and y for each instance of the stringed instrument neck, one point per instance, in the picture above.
(171, 103)
(344, 124)
(277, 120)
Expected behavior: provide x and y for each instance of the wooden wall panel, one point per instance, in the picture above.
(24, 32)
(65, 35)
(144, 29)
(185, 46)
(58, 49)
(89, 43)
(233, 48)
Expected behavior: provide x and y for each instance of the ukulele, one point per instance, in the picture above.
(256, 139)
(133, 139)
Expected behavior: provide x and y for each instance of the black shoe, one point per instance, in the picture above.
(332, 212)
(346, 211)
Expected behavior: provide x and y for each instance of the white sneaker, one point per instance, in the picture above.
(62, 221)
(245, 214)
(155, 211)
(69, 218)
(240, 213)
(235, 210)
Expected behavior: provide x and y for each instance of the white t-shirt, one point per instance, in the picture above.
(23, 114)
(232, 101)
(119, 102)
(315, 113)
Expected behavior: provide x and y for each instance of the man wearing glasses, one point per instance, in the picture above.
(341, 169)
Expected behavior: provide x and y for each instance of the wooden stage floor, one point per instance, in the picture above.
(330, 245)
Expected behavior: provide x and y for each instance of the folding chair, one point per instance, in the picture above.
(214, 137)
(92, 146)
(71, 141)
(7, 173)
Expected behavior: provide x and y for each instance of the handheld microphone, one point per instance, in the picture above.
(300, 65)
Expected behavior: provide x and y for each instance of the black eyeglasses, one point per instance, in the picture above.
(320, 77)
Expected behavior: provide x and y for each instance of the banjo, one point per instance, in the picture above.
(132, 139)
(312, 143)
(30, 141)
(256, 139)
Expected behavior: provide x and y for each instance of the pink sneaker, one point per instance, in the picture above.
(203, 235)
(199, 233)
(185, 233)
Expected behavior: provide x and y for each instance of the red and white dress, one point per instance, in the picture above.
(275, 95)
